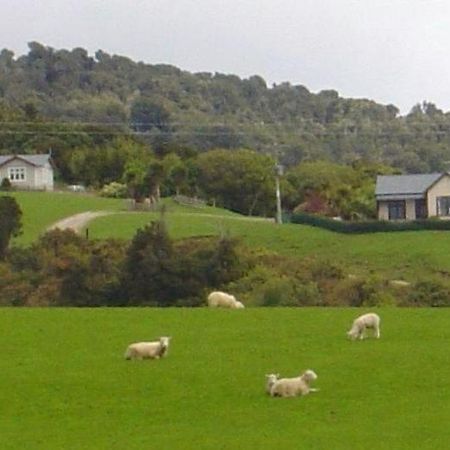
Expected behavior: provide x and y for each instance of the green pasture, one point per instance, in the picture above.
(397, 255)
(42, 209)
(406, 254)
(65, 384)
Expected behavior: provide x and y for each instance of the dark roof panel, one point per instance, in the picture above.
(405, 184)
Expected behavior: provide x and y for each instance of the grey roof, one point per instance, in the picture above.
(35, 160)
(407, 185)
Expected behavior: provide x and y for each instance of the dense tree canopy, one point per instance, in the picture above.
(109, 95)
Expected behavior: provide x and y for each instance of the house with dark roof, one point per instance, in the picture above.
(33, 172)
(410, 197)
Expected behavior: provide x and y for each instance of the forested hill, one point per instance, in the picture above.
(169, 106)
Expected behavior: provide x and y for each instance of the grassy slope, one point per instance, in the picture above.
(403, 254)
(71, 388)
(41, 209)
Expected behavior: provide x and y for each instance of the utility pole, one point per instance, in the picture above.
(278, 174)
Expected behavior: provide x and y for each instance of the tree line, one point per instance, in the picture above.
(66, 98)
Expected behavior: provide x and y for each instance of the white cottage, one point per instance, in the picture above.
(34, 172)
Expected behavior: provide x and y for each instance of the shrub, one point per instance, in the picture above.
(371, 226)
(429, 293)
(114, 190)
(5, 185)
(275, 292)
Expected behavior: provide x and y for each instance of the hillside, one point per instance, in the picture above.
(64, 98)
(404, 255)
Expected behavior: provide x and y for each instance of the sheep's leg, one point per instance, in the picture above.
(377, 333)
(314, 390)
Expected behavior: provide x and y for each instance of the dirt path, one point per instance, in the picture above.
(78, 221)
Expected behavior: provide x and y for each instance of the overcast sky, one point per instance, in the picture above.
(392, 51)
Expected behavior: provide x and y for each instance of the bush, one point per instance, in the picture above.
(276, 292)
(5, 185)
(370, 226)
(429, 293)
(114, 190)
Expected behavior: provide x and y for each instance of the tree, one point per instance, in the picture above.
(241, 180)
(148, 269)
(10, 222)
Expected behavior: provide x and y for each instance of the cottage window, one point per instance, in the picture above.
(16, 173)
(397, 210)
(443, 206)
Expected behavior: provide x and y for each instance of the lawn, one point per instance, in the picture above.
(65, 384)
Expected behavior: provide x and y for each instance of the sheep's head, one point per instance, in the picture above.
(164, 341)
(352, 334)
(309, 375)
(272, 377)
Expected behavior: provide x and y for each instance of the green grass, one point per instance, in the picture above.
(407, 255)
(65, 384)
(397, 254)
(42, 209)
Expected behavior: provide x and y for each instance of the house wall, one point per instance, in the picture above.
(410, 209)
(28, 183)
(440, 189)
(383, 209)
(35, 177)
(44, 177)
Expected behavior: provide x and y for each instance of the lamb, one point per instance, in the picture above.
(361, 323)
(291, 387)
(270, 380)
(148, 350)
(224, 300)
(237, 305)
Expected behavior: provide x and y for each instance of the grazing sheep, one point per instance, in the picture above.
(222, 299)
(270, 380)
(238, 305)
(291, 387)
(361, 323)
(146, 350)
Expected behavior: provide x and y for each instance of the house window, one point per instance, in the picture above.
(421, 208)
(397, 210)
(443, 206)
(16, 173)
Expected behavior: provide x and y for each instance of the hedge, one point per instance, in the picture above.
(369, 226)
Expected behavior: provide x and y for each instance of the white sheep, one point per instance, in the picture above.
(224, 300)
(146, 350)
(237, 305)
(270, 380)
(361, 323)
(291, 387)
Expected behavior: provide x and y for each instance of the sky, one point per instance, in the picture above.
(390, 51)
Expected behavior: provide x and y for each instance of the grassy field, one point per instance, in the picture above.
(65, 384)
(42, 209)
(406, 255)
(398, 255)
